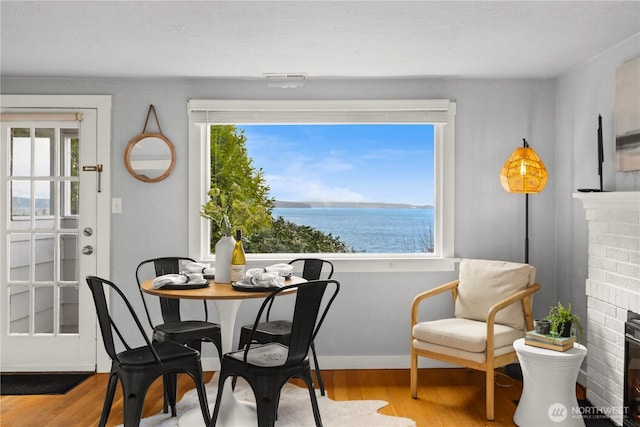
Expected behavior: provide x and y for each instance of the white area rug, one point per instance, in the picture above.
(295, 409)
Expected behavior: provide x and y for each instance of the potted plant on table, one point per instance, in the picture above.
(562, 319)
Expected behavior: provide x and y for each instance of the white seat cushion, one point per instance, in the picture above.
(461, 354)
(484, 283)
(464, 334)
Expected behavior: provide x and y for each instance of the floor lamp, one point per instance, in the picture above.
(524, 173)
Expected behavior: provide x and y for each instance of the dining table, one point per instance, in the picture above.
(227, 300)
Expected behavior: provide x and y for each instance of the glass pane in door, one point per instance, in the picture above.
(68, 259)
(69, 309)
(43, 204)
(19, 304)
(69, 146)
(44, 257)
(20, 152)
(19, 257)
(43, 152)
(20, 192)
(43, 309)
(68, 207)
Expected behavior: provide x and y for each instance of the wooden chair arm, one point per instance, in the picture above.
(428, 294)
(508, 301)
(491, 317)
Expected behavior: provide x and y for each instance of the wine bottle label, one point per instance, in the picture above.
(237, 272)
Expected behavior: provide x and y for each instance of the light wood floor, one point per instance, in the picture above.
(446, 397)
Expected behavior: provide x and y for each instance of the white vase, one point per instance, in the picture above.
(224, 250)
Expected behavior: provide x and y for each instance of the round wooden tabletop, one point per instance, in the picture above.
(215, 291)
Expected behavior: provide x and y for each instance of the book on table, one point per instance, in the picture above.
(550, 342)
(552, 339)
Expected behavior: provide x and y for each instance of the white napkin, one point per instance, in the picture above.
(176, 279)
(198, 267)
(258, 277)
(283, 270)
(169, 279)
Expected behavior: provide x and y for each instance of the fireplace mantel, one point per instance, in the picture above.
(614, 199)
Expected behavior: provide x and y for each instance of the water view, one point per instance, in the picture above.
(371, 230)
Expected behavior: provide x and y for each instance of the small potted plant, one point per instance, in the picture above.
(562, 319)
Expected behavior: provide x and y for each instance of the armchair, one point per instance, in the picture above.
(493, 308)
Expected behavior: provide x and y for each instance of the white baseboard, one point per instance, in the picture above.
(371, 362)
(355, 362)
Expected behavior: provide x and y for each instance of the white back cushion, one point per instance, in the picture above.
(484, 283)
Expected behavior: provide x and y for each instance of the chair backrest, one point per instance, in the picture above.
(308, 315)
(107, 324)
(312, 268)
(483, 283)
(152, 268)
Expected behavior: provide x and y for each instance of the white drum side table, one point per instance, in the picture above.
(549, 386)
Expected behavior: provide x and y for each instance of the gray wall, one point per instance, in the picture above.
(582, 94)
(370, 320)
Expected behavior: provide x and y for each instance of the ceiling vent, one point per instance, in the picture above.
(285, 80)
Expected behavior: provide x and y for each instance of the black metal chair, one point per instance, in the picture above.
(138, 367)
(280, 330)
(174, 329)
(267, 367)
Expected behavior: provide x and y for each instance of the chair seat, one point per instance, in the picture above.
(464, 334)
(143, 356)
(186, 331)
(273, 330)
(270, 355)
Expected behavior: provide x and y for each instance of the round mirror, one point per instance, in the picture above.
(150, 157)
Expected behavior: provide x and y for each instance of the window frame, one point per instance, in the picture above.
(439, 112)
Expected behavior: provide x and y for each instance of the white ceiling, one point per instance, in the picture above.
(323, 39)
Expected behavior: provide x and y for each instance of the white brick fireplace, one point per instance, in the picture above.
(613, 289)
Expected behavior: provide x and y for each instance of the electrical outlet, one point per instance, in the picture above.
(116, 205)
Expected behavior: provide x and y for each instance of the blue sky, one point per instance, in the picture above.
(351, 163)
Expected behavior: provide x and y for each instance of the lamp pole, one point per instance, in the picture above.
(526, 218)
(526, 228)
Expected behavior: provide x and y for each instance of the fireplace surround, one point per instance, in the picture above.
(632, 371)
(613, 290)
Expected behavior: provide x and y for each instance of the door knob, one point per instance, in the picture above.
(87, 250)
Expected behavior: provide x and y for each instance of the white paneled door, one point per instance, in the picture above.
(54, 220)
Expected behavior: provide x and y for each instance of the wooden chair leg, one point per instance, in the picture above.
(414, 374)
(489, 392)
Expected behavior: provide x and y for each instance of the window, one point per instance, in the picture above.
(423, 127)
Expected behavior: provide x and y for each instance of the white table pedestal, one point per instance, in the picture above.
(549, 386)
(233, 413)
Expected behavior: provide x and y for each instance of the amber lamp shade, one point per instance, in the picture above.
(523, 172)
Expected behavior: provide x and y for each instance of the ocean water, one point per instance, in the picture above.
(371, 230)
